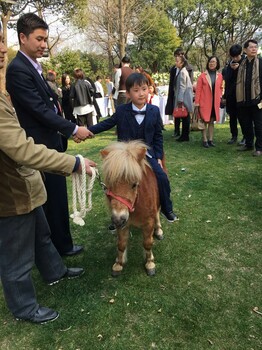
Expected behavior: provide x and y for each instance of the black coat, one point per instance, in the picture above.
(34, 103)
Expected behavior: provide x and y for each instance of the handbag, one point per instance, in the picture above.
(180, 112)
(197, 123)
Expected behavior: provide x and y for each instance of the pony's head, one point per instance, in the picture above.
(123, 167)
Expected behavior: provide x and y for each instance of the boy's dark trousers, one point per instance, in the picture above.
(163, 185)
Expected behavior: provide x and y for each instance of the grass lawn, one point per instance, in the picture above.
(209, 265)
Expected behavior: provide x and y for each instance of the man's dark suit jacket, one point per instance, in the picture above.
(34, 104)
(127, 126)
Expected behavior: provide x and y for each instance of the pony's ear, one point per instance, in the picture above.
(141, 154)
(104, 153)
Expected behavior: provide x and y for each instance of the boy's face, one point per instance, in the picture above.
(236, 58)
(138, 95)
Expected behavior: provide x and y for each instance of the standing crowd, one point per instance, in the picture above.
(238, 87)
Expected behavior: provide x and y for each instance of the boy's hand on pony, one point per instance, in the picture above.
(160, 163)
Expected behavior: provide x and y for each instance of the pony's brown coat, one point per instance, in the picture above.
(127, 174)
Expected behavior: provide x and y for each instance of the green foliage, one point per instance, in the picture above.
(66, 61)
(211, 27)
(208, 266)
(154, 48)
(98, 64)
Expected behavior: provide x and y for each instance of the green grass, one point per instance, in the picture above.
(219, 201)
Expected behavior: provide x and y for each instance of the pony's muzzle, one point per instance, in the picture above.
(120, 220)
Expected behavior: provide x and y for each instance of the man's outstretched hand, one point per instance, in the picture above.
(82, 134)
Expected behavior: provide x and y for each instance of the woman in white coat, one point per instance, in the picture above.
(183, 95)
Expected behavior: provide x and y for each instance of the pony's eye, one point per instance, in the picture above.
(134, 186)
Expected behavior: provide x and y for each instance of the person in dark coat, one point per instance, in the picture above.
(40, 115)
(230, 77)
(171, 90)
(66, 103)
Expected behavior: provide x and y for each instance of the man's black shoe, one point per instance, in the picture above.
(77, 249)
(170, 216)
(242, 142)
(72, 272)
(182, 139)
(42, 315)
(232, 141)
(245, 148)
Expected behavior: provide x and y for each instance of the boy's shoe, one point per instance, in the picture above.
(205, 144)
(211, 144)
(170, 216)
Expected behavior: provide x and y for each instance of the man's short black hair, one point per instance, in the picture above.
(179, 52)
(29, 22)
(249, 41)
(125, 59)
(235, 50)
(136, 79)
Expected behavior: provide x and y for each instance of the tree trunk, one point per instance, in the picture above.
(5, 18)
(122, 44)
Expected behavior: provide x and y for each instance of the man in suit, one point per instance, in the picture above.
(139, 120)
(24, 232)
(39, 114)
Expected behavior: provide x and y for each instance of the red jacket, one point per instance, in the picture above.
(204, 96)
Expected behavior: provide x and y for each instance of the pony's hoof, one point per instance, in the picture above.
(151, 272)
(159, 237)
(115, 273)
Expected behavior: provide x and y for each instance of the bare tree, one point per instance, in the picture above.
(112, 22)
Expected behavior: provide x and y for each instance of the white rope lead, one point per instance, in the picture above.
(79, 191)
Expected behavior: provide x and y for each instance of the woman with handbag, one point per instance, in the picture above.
(208, 95)
(183, 103)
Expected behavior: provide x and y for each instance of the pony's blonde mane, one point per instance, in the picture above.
(121, 162)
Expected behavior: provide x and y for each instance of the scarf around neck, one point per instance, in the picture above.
(241, 82)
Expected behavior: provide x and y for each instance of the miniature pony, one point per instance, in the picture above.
(132, 192)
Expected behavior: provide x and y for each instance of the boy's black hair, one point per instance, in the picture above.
(29, 22)
(135, 79)
(235, 50)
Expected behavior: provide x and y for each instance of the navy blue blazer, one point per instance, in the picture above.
(34, 102)
(122, 119)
